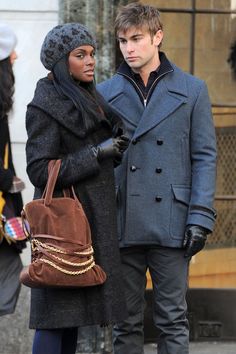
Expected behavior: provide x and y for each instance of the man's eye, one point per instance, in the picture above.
(123, 41)
(93, 54)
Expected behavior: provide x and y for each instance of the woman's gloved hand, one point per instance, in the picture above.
(111, 148)
(123, 142)
(194, 239)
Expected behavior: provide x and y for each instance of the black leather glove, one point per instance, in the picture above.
(112, 148)
(194, 239)
(123, 142)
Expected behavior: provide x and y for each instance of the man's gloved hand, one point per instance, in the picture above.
(194, 239)
(112, 148)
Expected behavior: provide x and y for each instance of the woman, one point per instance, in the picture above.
(10, 203)
(68, 120)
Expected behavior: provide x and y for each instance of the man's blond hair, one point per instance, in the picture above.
(138, 15)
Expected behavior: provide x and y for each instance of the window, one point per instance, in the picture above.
(198, 35)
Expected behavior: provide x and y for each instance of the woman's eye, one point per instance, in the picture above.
(80, 56)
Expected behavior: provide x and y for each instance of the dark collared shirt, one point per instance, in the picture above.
(152, 77)
(155, 76)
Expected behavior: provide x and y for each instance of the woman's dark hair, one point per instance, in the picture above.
(232, 58)
(7, 82)
(82, 94)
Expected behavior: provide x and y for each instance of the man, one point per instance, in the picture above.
(166, 182)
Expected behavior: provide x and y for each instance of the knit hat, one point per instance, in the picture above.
(7, 41)
(61, 40)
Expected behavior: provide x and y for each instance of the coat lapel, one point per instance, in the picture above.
(170, 93)
(167, 97)
(125, 100)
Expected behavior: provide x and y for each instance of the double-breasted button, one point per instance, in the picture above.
(159, 141)
(158, 199)
(158, 170)
(133, 168)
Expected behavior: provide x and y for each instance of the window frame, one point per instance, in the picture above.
(194, 11)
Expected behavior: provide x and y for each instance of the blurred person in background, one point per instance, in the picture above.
(10, 195)
(232, 58)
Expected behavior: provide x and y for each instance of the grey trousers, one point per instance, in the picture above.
(169, 273)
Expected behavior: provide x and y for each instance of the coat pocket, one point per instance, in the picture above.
(179, 210)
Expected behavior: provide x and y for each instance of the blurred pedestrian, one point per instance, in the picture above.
(232, 58)
(10, 197)
(68, 120)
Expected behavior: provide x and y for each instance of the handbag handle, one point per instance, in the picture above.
(53, 171)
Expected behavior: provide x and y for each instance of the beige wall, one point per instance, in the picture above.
(31, 20)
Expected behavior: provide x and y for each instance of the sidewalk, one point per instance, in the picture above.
(16, 338)
(202, 348)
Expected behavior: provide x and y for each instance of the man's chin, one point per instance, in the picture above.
(133, 65)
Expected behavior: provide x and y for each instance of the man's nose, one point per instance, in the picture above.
(129, 47)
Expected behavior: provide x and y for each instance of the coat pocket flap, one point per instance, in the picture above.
(181, 193)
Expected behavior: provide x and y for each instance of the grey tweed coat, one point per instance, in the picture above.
(55, 131)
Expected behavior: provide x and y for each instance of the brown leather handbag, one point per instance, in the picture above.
(61, 247)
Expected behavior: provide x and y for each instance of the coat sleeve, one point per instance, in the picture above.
(112, 116)
(6, 174)
(43, 145)
(203, 160)
(6, 177)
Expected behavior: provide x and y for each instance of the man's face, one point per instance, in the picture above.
(139, 49)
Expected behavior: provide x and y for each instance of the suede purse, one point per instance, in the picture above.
(61, 247)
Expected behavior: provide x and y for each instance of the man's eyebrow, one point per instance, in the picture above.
(134, 36)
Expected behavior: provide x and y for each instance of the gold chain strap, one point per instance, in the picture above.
(57, 250)
(68, 271)
(74, 264)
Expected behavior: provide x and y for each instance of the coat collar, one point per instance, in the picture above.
(60, 108)
(170, 93)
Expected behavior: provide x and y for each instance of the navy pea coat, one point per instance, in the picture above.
(167, 177)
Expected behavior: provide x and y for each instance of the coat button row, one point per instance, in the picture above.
(159, 141)
(134, 168)
(158, 199)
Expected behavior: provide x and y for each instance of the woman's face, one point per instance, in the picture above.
(82, 63)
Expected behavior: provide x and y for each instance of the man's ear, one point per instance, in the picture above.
(158, 37)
